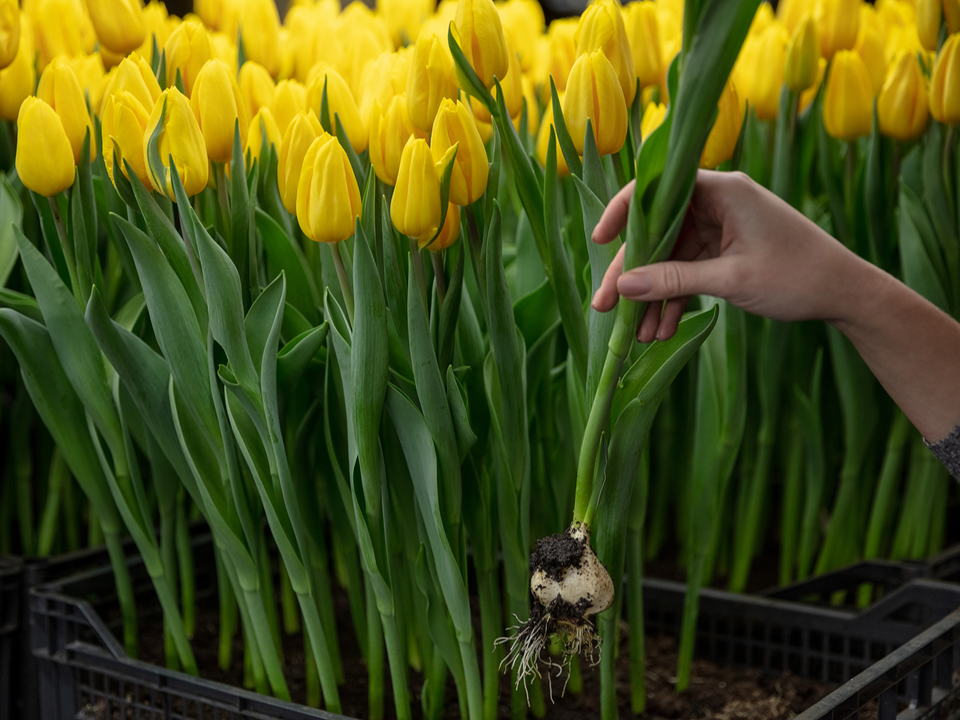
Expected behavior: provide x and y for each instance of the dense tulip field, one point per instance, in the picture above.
(323, 281)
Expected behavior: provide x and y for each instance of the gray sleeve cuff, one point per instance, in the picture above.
(947, 451)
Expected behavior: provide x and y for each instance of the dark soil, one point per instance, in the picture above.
(717, 692)
(554, 554)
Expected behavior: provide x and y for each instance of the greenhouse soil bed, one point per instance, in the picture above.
(716, 691)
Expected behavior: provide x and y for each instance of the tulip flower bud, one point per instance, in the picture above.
(803, 56)
(929, 13)
(951, 12)
(302, 131)
(118, 24)
(430, 80)
(187, 49)
(218, 107)
(17, 80)
(9, 31)
(44, 161)
(653, 116)
(945, 83)
(289, 99)
(839, 25)
(256, 87)
(263, 126)
(848, 99)
(178, 136)
(594, 92)
(481, 39)
(512, 87)
(63, 28)
(340, 103)
(134, 75)
(389, 131)
(449, 232)
(643, 30)
(157, 23)
(364, 37)
(563, 51)
(762, 19)
(725, 133)
(810, 94)
(870, 46)
(601, 28)
(543, 143)
(764, 90)
(454, 126)
(415, 207)
(328, 199)
(60, 90)
(91, 76)
(124, 124)
(404, 18)
(260, 33)
(903, 105)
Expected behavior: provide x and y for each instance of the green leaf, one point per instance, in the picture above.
(456, 397)
(294, 357)
(11, 212)
(284, 255)
(450, 312)
(466, 76)
(920, 268)
(359, 172)
(570, 155)
(23, 304)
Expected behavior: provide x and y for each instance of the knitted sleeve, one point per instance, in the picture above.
(948, 451)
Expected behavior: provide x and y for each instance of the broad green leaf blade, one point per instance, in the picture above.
(570, 155)
(11, 216)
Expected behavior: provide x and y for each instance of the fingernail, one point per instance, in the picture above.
(633, 284)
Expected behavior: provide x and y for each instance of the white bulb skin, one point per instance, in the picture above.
(590, 580)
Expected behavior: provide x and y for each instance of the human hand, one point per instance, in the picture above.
(739, 242)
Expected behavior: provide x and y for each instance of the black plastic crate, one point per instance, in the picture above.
(11, 578)
(84, 672)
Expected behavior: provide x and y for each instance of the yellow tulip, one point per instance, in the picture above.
(9, 31)
(340, 103)
(808, 95)
(260, 33)
(480, 34)
(17, 81)
(563, 51)
(929, 13)
(512, 87)
(256, 87)
(945, 83)
(643, 30)
(62, 28)
(449, 232)
(763, 89)
(180, 138)
(653, 116)
(289, 99)
(839, 25)
(210, 11)
(364, 37)
(187, 49)
(848, 99)
(415, 207)
(903, 105)
(44, 161)
(328, 198)
(723, 137)
(430, 80)
(404, 18)
(134, 75)
(262, 124)
(803, 56)
(951, 11)
(523, 19)
(378, 83)
(91, 76)
(218, 107)
(870, 46)
(792, 12)
(225, 49)
(125, 120)
(454, 126)
(543, 143)
(389, 131)
(594, 92)
(762, 19)
(118, 24)
(601, 28)
(157, 23)
(302, 131)
(60, 89)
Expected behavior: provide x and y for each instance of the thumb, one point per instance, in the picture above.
(676, 279)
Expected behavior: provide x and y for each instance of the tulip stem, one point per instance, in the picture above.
(344, 280)
(441, 277)
(224, 203)
(418, 270)
(67, 250)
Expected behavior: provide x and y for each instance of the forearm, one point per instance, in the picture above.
(911, 346)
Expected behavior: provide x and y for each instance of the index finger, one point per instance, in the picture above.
(614, 218)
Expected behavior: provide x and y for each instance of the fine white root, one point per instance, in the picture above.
(569, 584)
